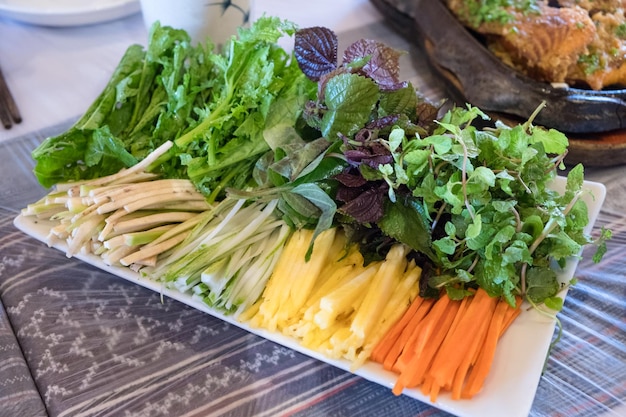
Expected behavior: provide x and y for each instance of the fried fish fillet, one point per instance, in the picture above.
(578, 42)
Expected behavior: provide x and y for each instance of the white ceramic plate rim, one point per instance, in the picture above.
(67, 13)
(513, 380)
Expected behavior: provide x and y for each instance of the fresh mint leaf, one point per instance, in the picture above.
(499, 241)
(451, 192)
(483, 176)
(553, 141)
(517, 252)
(575, 179)
(605, 235)
(541, 284)
(474, 229)
(497, 277)
(554, 303)
(562, 245)
(533, 225)
(416, 163)
(457, 293)
(442, 144)
(396, 138)
(445, 245)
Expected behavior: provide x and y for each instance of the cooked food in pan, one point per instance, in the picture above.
(578, 42)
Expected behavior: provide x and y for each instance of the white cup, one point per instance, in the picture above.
(202, 19)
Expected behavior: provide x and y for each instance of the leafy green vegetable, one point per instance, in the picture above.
(404, 221)
(605, 235)
(76, 154)
(215, 106)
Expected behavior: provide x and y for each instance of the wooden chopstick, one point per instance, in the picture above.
(9, 113)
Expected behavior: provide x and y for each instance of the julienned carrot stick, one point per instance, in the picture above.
(430, 389)
(402, 357)
(458, 345)
(511, 314)
(411, 329)
(391, 337)
(409, 358)
(428, 343)
(472, 355)
(440, 317)
(464, 303)
(427, 326)
(487, 351)
(459, 315)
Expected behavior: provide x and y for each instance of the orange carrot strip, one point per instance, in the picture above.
(435, 315)
(459, 315)
(458, 345)
(402, 358)
(408, 332)
(428, 344)
(480, 370)
(474, 351)
(382, 348)
(434, 392)
(427, 385)
(430, 389)
(409, 357)
(512, 314)
(446, 345)
(398, 387)
(420, 337)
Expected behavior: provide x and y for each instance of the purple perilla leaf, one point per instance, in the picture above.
(315, 49)
(351, 180)
(383, 122)
(367, 207)
(374, 161)
(383, 65)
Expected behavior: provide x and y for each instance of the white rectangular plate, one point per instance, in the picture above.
(512, 382)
